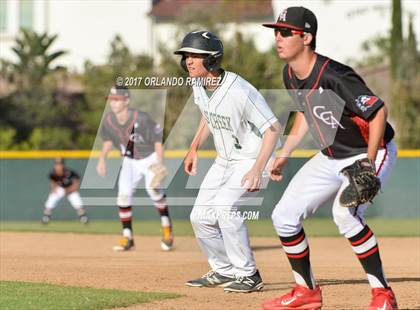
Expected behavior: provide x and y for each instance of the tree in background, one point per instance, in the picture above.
(31, 104)
(35, 115)
(98, 79)
(34, 59)
(402, 56)
(405, 92)
(396, 40)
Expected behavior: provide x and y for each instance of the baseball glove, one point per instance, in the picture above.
(364, 184)
(160, 172)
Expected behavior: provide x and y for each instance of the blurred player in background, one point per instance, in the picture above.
(64, 181)
(139, 138)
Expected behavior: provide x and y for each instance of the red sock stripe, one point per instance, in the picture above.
(370, 252)
(298, 255)
(360, 241)
(383, 161)
(125, 210)
(294, 242)
(127, 219)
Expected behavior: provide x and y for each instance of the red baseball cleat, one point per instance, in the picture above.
(299, 298)
(383, 299)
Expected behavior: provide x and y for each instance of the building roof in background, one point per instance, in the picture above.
(243, 9)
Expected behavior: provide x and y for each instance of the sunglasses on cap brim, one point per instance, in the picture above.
(287, 32)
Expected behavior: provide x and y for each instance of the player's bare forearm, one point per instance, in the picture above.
(297, 133)
(376, 132)
(106, 148)
(101, 166)
(159, 151)
(270, 138)
(190, 161)
(201, 135)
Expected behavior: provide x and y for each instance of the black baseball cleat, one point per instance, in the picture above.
(45, 219)
(211, 279)
(246, 284)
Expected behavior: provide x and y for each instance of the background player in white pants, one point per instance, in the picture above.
(140, 140)
(63, 181)
(362, 132)
(245, 132)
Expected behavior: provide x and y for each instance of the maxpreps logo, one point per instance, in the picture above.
(364, 102)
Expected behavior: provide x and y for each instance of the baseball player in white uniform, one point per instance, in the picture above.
(245, 133)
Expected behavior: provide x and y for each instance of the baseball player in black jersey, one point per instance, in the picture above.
(63, 181)
(362, 135)
(139, 139)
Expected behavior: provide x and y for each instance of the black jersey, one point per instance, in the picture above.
(358, 104)
(136, 138)
(66, 179)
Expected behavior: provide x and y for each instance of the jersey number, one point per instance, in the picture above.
(236, 144)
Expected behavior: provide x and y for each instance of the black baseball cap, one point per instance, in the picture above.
(297, 18)
(119, 92)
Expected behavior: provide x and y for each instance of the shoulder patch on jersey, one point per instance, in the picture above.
(364, 102)
(158, 129)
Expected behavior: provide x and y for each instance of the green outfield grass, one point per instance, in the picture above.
(16, 295)
(259, 228)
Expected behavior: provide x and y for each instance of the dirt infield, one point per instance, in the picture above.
(87, 260)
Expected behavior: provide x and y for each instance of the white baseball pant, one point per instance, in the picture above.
(55, 196)
(315, 183)
(221, 234)
(131, 173)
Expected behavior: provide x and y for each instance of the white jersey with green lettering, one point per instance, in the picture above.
(237, 116)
